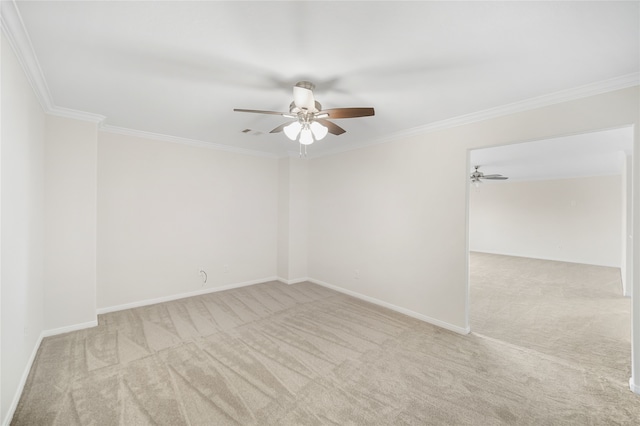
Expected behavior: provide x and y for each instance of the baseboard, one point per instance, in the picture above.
(148, 302)
(634, 388)
(402, 310)
(25, 374)
(551, 258)
(69, 328)
(293, 281)
(23, 381)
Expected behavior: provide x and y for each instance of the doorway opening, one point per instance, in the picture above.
(549, 249)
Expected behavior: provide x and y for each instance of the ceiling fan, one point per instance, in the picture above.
(310, 122)
(477, 176)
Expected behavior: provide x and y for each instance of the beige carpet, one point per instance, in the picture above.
(273, 354)
(573, 312)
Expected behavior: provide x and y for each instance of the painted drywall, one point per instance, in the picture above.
(571, 220)
(389, 221)
(634, 381)
(298, 218)
(384, 222)
(626, 267)
(166, 210)
(284, 197)
(70, 222)
(22, 226)
(292, 219)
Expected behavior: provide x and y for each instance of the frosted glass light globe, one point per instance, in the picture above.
(292, 130)
(306, 138)
(319, 131)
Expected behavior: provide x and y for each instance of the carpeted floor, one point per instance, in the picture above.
(273, 354)
(571, 311)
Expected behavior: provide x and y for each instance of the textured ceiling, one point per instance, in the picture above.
(179, 68)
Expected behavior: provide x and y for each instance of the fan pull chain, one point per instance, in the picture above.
(303, 154)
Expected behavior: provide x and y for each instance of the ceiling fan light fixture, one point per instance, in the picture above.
(319, 131)
(292, 130)
(305, 110)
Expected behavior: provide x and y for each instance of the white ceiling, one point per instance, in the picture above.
(179, 68)
(591, 154)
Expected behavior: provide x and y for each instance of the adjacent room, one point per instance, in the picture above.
(230, 212)
(549, 243)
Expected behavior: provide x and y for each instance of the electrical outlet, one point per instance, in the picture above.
(203, 275)
(356, 274)
(225, 269)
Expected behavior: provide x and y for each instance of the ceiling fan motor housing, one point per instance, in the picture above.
(306, 85)
(293, 109)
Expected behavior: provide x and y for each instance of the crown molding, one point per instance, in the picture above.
(293, 154)
(77, 115)
(184, 141)
(592, 89)
(13, 28)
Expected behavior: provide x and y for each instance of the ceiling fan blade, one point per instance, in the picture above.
(281, 127)
(334, 129)
(257, 111)
(348, 112)
(491, 176)
(495, 177)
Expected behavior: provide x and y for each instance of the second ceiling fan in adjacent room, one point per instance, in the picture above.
(477, 177)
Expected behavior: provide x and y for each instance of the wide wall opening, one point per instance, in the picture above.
(549, 248)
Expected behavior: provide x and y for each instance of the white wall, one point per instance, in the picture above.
(634, 381)
(396, 212)
(22, 225)
(284, 197)
(70, 223)
(292, 219)
(385, 221)
(626, 267)
(165, 210)
(298, 218)
(572, 220)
